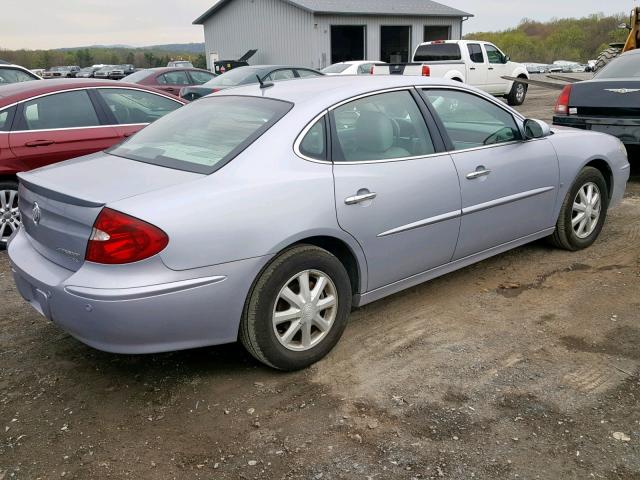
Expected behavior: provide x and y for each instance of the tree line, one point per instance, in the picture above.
(573, 39)
(86, 57)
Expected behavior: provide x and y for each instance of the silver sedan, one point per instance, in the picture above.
(266, 213)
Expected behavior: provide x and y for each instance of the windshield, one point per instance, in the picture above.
(203, 136)
(335, 68)
(626, 66)
(237, 76)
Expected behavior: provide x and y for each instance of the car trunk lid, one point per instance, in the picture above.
(60, 203)
(611, 98)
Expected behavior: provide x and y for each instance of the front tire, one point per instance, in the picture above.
(583, 212)
(297, 309)
(517, 94)
(9, 213)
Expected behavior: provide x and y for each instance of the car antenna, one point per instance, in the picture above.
(264, 85)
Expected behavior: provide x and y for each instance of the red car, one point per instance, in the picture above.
(53, 120)
(170, 80)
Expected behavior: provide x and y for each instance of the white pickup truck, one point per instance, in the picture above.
(480, 64)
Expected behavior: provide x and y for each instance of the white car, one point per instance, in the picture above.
(476, 63)
(358, 67)
(10, 73)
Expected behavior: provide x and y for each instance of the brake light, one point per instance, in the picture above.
(562, 105)
(426, 71)
(214, 90)
(117, 238)
(371, 70)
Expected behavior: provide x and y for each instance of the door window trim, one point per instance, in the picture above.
(517, 118)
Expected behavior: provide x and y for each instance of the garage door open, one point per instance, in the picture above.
(347, 43)
(395, 44)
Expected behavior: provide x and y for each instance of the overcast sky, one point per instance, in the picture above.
(69, 23)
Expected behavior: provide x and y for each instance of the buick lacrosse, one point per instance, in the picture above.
(265, 213)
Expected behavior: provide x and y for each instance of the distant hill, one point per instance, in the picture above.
(576, 39)
(195, 48)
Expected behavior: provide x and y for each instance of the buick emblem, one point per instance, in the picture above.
(622, 90)
(36, 213)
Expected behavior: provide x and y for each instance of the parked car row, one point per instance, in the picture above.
(61, 72)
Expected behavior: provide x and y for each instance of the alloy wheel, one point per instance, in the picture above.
(9, 214)
(305, 310)
(587, 206)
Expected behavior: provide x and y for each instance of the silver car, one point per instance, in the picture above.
(267, 212)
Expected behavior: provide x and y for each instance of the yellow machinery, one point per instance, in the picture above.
(633, 41)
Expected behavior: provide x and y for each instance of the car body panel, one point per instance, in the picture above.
(225, 227)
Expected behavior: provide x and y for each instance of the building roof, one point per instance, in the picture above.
(361, 7)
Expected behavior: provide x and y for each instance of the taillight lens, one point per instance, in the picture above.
(426, 71)
(117, 238)
(371, 70)
(562, 105)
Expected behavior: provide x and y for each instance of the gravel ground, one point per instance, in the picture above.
(523, 366)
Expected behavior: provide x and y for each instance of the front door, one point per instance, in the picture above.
(394, 194)
(497, 69)
(57, 127)
(509, 186)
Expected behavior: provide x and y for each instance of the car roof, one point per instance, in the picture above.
(17, 92)
(322, 92)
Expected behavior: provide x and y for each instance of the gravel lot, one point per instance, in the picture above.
(523, 366)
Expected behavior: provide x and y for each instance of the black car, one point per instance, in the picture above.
(609, 103)
(246, 76)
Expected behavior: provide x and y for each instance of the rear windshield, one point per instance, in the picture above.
(336, 68)
(137, 76)
(205, 135)
(237, 76)
(436, 52)
(626, 66)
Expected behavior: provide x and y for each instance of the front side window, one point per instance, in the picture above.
(62, 110)
(381, 127)
(201, 77)
(493, 54)
(12, 75)
(135, 106)
(176, 78)
(471, 121)
(204, 135)
(314, 143)
(475, 53)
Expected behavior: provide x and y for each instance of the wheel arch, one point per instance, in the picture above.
(604, 168)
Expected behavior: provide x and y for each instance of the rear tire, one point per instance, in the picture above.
(570, 234)
(284, 324)
(9, 214)
(518, 94)
(606, 57)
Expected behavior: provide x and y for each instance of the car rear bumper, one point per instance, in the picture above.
(192, 312)
(626, 129)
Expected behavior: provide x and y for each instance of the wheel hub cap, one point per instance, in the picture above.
(586, 210)
(305, 310)
(9, 214)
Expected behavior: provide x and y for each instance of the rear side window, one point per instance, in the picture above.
(6, 116)
(204, 135)
(314, 143)
(201, 77)
(475, 52)
(436, 52)
(174, 78)
(62, 110)
(279, 75)
(307, 73)
(386, 126)
(135, 106)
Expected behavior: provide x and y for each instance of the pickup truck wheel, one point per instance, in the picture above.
(517, 94)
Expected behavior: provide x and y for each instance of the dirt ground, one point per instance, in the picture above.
(524, 366)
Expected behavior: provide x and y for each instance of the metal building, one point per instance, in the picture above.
(317, 33)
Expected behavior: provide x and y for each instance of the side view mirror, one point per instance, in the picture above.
(506, 59)
(536, 129)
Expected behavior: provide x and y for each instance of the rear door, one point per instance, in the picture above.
(509, 186)
(130, 110)
(57, 127)
(395, 193)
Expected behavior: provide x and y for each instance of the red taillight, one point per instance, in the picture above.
(371, 70)
(426, 71)
(562, 105)
(214, 90)
(117, 238)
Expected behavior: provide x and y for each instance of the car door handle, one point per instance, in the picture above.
(481, 172)
(472, 68)
(39, 143)
(360, 198)
(490, 68)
